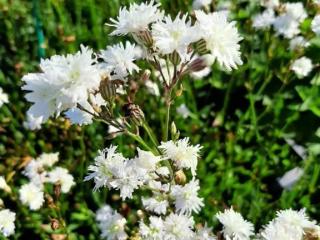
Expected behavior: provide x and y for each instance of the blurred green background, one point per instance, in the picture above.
(242, 118)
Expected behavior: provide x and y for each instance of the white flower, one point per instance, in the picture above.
(288, 224)
(31, 195)
(63, 82)
(127, 178)
(152, 88)
(264, 20)
(316, 2)
(315, 25)
(198, 4)
(186, 198)
(147, 160)
(3, 97)
(290, 177)
(119, 59)
(222, 38)
(33, 122)
(234, 226)
(111, 224)
(269, 3)
(287, 26)
(156, 204)
(112, 170)
(153, 231)
(183, 110)
(136, 18)
(3, 185)
(298, 42)
(61, 176)
(7, 219)
(170, 36)
(277, 231)
(178, 227)
(104, 165)
(205, 233)
(48, 159)
(36, 173)
(296, 11)
(302, 67)
(183, 155)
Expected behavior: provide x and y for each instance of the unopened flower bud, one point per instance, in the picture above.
(201, 47)
(50, 201)
(179, 91)
(312, 234)
(180, 177)
(134, 113)
(145, 76)
(175, 58)
(144, 37)
(140, 214)
(108, 88)
(55, 224)
(57, 190)
(197, 65)
(174, 132)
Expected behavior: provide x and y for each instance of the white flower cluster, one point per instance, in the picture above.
(3, 97)
(41, 171)
(7, 217)
(288, 21)
(71, 84)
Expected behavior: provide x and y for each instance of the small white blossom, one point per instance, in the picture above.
(198, 4)
(205, 233)
(178, 227)
(31, 195)
(36, 173)
(48, 159)
(7, 219)
(264, 20)
(296, 11)
(33, 122)
(183, 110)
(111, 224)
(63, 177)
(155, 204)
(183, 155)
(3, 97)
(302, 67)
(269, 3)
(174, 35)
(290, 177)
(3, 185)
(119, 60)
(234, 226)
(63, 83)
(287, 26)
(298, 42)
(152, 88)
(222, 38)
(136, 18)
(186, 197)
(315, 25)
(153, 231)
(147, 160)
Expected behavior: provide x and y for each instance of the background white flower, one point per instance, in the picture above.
(7, 219)
(315, 25)
(302, 67)
(3, 97)
(31, 195)
(61, 176)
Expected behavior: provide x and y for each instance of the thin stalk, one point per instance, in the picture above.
(141, 141)
(168, 104)
(150, 134)
(226, 99)
(254, 115)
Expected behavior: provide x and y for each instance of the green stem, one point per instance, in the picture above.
(141, 141)
(166, 131)
(226, 100)
(254, 115)
(150, 134)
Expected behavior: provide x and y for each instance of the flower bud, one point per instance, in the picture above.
(57, 190)
(180, 177)
(174, 58)
(201, 46)
(311, 234)
(134, 113)
(197, 65)
(54, 224)
(144, 37)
